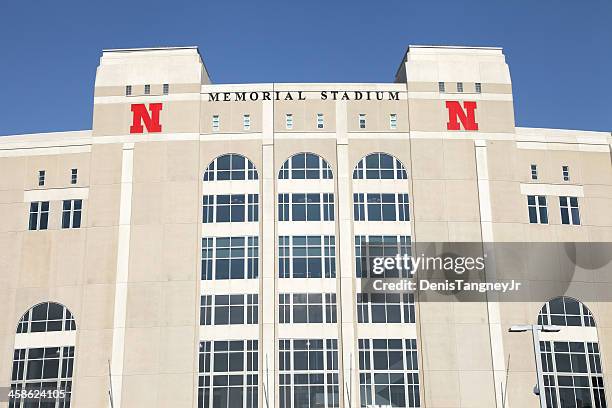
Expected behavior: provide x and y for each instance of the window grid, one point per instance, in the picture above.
(538, 210)
(73, 176)
(381, 207)
(215, 123)
(308, 373)
(320, 121)
(230, 258)
(385, 308)
(39, 215)
(300, 308)
(565, 311)
(303, 166)
(46, 317)
(379, 166)
(289, 121)
(230, 167)
(393, 121)
(128, 90)
(228, 374)
(306, 207)
(219, 310)
(166, 89)
(307, 256)
(41, 178)
(230, 208)
(388, 372)
(369, 247)
(441, 87)
(534, 172)
(570, 213)
(147, 89)
(459, 86)
(246, 122)
(478, 87)
(565, 173)
(362, 121)
(71, 213)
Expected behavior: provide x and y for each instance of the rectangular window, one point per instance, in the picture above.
(441, 87)
(538, 210)
(367, 248)
(570, 213)
(309, 256)
(385, 308)
(165, 89)
(147, 89)
(478, 87)
(230, 258)
(306, 207)
(215, 123)
(228, 374)
(362, 121)
(565, 171)
(73, 176)
(459, 86)
(308, 373)
(128, 90)
(534, 172)
(71, 213)
(381, 207)
(388, 372)
(222, 310)
(230, 208)
(393, 121)
(289, 121)
(307, 308)
(246, 122)
(320, 121)
(41, 177)
(39, 215)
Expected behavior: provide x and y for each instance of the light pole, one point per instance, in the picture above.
(535, 333)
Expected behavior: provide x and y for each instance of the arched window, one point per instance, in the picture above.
(230, 167)
(42, 367)
(572, 368)
(305, 166)
(379, 166)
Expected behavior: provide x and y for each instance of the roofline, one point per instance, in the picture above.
(468, 47)
(149, 49)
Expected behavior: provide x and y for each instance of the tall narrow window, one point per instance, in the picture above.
(41, 177)
(362, 121)
(215, 122)
(478, 87)
(289, 121)
(534, 172)
(39, 215)
(147, 90)
(538, 210)
(73, 176)
(166, 89)
(570, 213)
(459, 86)
(320, 121)
(441, 87)
(71, 213)
(565, 172)
(246, 122)
(393, 121)
(128, 90)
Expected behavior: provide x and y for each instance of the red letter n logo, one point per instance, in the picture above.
(465, 114)
(140, 114)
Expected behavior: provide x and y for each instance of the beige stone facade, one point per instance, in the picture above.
(131, 274)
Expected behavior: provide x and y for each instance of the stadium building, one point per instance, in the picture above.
(201, 245)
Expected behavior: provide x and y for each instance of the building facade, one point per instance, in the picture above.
(201, 245)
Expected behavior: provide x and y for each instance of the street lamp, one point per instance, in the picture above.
(535, 333)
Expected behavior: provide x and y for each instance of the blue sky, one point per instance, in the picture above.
(559, 51)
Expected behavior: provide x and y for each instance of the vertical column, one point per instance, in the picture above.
(268, 270)
(121, 277)
(486, 226)
(348, 353)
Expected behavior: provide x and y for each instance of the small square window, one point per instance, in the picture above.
(534, 172)
(215, 122)
(73, 176)
(166, 89)
(128, 90)
(441, 87)
(566, 175)
(320, 121)
(478, 87)
(362, 121)
(289, 121)
(147, 90)
(41, 177)
(459, 86)
(246, 121)
(393, 121)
